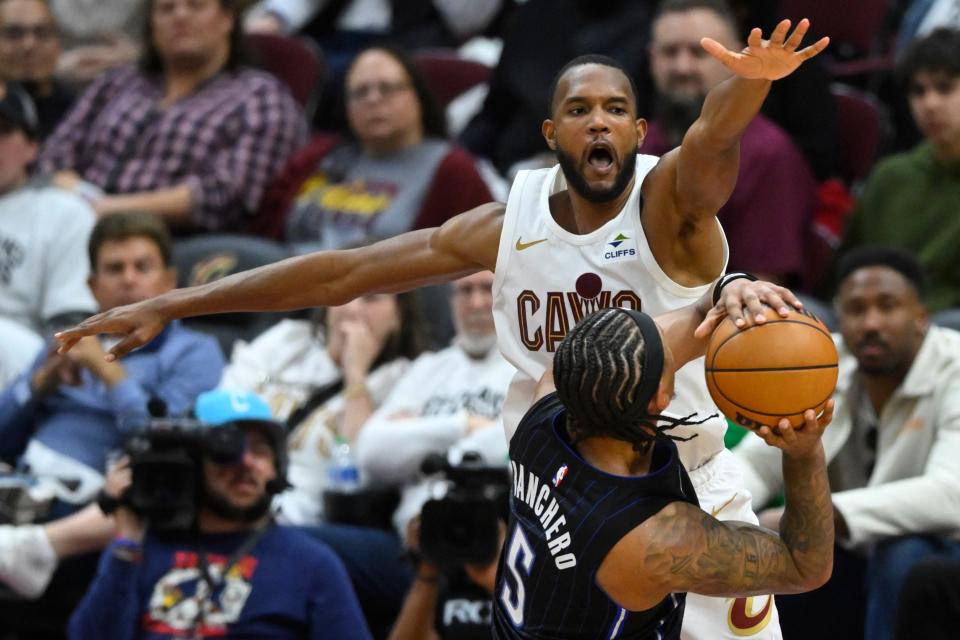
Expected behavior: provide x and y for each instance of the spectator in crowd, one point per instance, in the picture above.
(930, 601)
(894, 442)
(910, 199)
(97, 35)
(192, 135)
(767, 216)
(447, 401)
(323, 383)
(29, 48)
(396, 171)
(541, 37)
(240, 574)
(17, 350)
(43, 230)
(326, 383)
(60, 419)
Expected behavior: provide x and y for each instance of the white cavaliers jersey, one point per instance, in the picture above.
(547, 279)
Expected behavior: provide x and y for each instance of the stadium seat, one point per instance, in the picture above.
(206, 258)
(861, 40)
(296, 61)
(864, 126)
(449, 75)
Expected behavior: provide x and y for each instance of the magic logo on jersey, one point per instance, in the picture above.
(177, 598)
(621, 247)
(545, 322)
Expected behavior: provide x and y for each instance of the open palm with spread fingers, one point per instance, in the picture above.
(768, 59)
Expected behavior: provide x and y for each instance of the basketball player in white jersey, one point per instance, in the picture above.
(606, 228)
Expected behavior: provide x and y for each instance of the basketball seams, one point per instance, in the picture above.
(763, 413)
(716, 352)
(805, 367)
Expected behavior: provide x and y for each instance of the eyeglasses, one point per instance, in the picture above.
(17, 32)
(385, 89)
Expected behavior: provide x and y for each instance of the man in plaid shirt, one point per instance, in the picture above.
(191, 135)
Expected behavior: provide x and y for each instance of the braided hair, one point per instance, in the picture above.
(598, 372)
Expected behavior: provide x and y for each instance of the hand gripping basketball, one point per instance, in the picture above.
(777, 369)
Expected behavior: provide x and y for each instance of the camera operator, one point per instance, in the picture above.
(234, 572)
(456, 544)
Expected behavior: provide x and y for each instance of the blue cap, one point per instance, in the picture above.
(221, 406)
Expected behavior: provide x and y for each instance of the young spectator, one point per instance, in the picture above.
(61, 418)
(396, 171)
(239, 574)
(191, 135)
(326, 384)
(893, 445)
(767, 215)
(97, 35)
(910, 199)
(43, 230)
(29, 49)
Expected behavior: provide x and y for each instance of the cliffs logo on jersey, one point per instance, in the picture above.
(564, 309)
(621, 247)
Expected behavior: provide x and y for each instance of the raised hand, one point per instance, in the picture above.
(138, 324)
(768, 59)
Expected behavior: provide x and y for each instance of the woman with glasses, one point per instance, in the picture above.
(394, 171)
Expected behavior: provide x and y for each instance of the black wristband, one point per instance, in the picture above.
(727, 279)
(107, 503)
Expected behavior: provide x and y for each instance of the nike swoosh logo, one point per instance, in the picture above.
(526, 245)
(714, 512)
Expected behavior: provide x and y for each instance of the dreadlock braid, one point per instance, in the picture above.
(597, 369)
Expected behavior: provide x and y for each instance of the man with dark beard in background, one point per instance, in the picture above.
(768, 213)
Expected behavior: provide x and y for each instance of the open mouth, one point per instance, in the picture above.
(600, 158)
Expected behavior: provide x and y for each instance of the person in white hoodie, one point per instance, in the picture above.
(895, 439)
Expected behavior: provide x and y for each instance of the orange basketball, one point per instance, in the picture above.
(773, 370)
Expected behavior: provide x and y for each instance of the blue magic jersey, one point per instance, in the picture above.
(565, 516)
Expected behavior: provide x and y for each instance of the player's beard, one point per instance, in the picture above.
(578, 183)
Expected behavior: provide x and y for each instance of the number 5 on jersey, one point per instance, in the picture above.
(519, 557)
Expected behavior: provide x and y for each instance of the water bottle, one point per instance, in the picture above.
(343, 473)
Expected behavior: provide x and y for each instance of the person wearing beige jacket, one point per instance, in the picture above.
(894, 445)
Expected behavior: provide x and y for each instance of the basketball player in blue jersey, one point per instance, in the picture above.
(605, 533)
(605, 228)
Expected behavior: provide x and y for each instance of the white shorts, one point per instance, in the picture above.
(720, 489)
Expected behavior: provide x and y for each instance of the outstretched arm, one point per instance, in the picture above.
(709, 157)
(464, 244)
(685, 549)
(691, 183)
